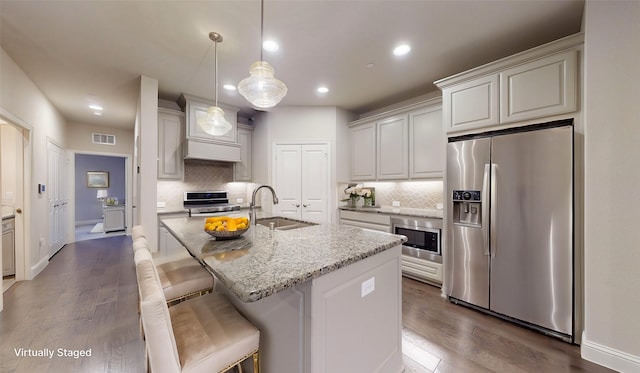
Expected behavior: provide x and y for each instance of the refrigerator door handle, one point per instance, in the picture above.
(485, 210)
(494, 210)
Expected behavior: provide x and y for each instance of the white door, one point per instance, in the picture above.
(314, 190)
(288, 173)
(301, 174)
(56, 197)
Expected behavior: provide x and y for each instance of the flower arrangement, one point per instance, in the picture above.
(357, 191)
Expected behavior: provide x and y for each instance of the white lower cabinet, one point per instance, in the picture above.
(168, 245)
(366, 220)
(422, 269)
(113, 218)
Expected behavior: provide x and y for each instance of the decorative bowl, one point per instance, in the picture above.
(227, 235)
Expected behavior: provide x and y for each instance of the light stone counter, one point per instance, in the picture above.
(263, 262)
(315, 293)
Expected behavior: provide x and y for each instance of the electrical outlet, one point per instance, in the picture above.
(439, 206)
(395, 203)
(239, 200)
(368, 287)
(161, 205)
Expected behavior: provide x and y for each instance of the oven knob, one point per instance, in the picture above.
(466, 195)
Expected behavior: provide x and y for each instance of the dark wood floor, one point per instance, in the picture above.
(86, 298)
(466, 340)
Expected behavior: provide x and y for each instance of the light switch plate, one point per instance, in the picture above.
(395, 203)
(439, 206)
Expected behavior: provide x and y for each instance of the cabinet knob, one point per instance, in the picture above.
(295, 204)
(305, 205)
(19, 210)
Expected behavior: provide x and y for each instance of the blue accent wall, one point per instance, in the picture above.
(88, 208)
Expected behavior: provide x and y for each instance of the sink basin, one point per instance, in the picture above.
(283, 224)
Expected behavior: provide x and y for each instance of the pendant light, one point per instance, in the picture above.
(261, 88)
(213, 121)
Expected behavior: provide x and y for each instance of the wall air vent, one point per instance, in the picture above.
(100, 138)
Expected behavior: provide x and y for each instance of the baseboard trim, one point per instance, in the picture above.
(609, 357)
(38, 267)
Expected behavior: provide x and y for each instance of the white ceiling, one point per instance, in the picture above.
(79, 51)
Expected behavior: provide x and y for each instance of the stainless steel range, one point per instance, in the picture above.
(208, 203)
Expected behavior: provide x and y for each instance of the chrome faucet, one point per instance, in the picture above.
(252, 206)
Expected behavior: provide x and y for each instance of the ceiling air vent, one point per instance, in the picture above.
(100, 138)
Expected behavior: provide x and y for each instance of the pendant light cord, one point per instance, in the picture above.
(216, 69)
(261, 28)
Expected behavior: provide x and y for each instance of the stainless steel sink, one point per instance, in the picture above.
(283, 224)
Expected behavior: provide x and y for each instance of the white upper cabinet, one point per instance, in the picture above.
(242, 170)
(537, 83)
(170, 135)
(406, 143)
(540, 88)
(363, 151)
(393, 148)
(427, 144)
(472, 104)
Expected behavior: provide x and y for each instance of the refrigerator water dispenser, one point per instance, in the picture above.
(467, 208)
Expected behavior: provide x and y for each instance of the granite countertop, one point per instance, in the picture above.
(389, 210)
(263, 262)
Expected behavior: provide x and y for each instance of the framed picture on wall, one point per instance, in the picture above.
(97, 179)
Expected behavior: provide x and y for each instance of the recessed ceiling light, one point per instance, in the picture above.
(322, 90)
(95, 107)
(229, 87)
(401, 50)
(270, 46)
(370, 65)
(97, 113)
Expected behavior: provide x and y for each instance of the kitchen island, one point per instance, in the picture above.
(326, 298)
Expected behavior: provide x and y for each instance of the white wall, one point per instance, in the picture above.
(24, 104)
(147, 153)
(612, 177)
(79, 139)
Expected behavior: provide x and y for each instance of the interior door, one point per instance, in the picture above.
(287, 183)
(56, 196)
(301, 175)
(314, 188)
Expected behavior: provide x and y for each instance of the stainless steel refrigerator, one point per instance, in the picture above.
(509, 248)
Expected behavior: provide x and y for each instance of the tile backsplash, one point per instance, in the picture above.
(201, 176)
(413, 194)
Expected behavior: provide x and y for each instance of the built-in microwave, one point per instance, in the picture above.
(423, 237)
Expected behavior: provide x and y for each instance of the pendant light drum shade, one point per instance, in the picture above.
(261, 88)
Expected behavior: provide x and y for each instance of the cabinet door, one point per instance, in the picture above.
(427, 144)
(473, 104)
(170, 135)
(393, 153)
(539, 88)
(363, 151)
(197, 109)
(8, 252)
(113, 219)
(242, 169)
